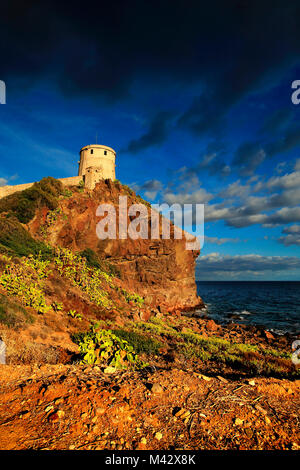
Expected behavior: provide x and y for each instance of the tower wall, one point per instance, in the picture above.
(96, 162)
(98, 156)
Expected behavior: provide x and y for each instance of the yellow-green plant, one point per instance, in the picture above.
(74, 314)
(99, 346)
(57, 306)
(24, 280)
(67, 193)
(81, 186)
(40, 266)
(52, 216)
(91, 280)
(133, 297)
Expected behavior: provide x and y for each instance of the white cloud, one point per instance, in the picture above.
(292, 237)
(221, 241)
(292, 229)
(216, 265)
(287, 181)
(200, 196)
(297, 165)
(235, 189)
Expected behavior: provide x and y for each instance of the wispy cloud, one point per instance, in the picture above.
(221, 241)
(291, 237)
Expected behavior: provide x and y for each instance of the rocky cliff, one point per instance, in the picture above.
(162, 271)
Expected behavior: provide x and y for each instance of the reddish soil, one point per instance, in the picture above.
(77, 407)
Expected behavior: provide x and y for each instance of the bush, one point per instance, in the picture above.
(94, 261)
(15, 240)
(23, 204)
(98, 346)
(133, 297)
(91, 258)
(25, 280)
(90, 280)
(140, 343)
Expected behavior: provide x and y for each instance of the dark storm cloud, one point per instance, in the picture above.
(248, 157)
(212, 161)
(151, 185)
(155, 135)
(150, 188)
(228, 48)
(289, 140)
(277, 121)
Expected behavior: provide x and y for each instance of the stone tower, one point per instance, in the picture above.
(96, 162)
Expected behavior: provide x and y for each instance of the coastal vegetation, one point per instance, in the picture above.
(23, 204)
(98, 346)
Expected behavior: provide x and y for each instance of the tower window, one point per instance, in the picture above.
(92, 151)
(105, 152)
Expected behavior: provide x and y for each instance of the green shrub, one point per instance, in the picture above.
(98, 346)
(67, 193)
(91, 258)
(23, 280)
(159, 327)
(90, 280)
(15, 240)
(81, 186)
(139, 342)
(94, 261)
(23, 204)
(75, 315)
(248, 357)
(57, 306)
(133, 297)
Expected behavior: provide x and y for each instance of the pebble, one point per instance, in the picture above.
(156, 388)
(222, 379)
(58, 401)
(158, 436)
(238, 422)
(204, 377)
(49, 408)
(259, 408)
(183, 414)
(109, 370)
(180, 412)
(143, 440)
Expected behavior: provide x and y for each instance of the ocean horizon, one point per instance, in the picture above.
(274, 305)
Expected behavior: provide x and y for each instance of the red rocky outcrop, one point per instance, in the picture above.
(162, 271)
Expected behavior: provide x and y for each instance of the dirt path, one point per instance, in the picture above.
(76, 407)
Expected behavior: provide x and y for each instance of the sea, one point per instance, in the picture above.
(274, 305)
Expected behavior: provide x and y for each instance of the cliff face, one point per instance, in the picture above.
(162, 271)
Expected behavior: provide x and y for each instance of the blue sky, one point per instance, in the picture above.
(197, 105)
